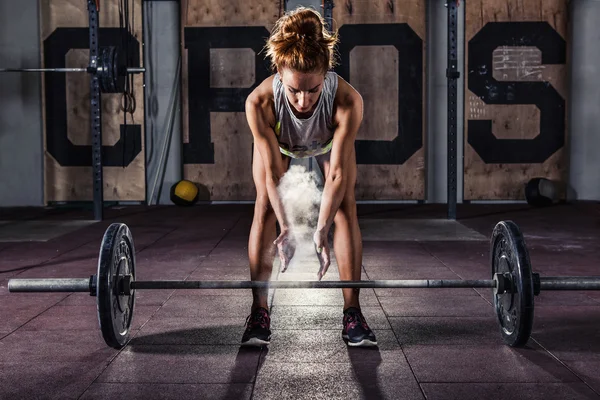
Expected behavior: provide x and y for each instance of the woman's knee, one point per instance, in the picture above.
(347, 211)
(263, 209)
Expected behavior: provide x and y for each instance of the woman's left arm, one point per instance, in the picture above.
(348, 117)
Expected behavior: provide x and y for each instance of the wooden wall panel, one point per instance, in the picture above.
(217, 140)
(516, 81)
(64, 28)
(386, 42)
(387, 68)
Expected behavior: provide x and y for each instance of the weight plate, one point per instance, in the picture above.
(514, 308)
(115, 310)
(112, 70)
(105, 70)
(120, 70)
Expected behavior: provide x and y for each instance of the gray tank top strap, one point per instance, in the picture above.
(305, 137)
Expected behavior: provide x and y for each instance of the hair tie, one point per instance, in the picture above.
(300, 36)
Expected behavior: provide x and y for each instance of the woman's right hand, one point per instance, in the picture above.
(286, 247)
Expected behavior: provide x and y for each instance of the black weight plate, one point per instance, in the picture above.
(112, 70)
(120, 70)
(105, 69)
(115, 311)
(514, 308)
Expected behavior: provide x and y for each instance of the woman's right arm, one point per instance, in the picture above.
(257, 108)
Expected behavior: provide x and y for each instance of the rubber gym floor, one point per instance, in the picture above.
(433, 343)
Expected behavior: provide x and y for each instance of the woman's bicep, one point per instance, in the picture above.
(349, 117)
(263, 135)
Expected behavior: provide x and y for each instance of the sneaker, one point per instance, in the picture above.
(356, 330)
(258, 331)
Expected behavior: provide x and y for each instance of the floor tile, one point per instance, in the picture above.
(39, 231)
(569, 332)
(321, 317)
(325, 381)
(374, 229)
(191, 331)
(410, 272)
(81, 318)
(427, 293)
(508, 391)
(446, 330)
(166, 391)
(327, 346)
(485, 363)
(183, 364)
(17, 309)
(220, 274)
(563, 298)
(180, 305)
(215, 292)
(588, 371)
(55, 346)
(442, 306)
(47, 380)
(320, 297)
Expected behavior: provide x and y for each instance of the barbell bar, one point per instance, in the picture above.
(88, 69)
(86, 284)
(110, 66)
(513, 282)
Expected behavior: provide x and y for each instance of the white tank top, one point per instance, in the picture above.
(305, 137)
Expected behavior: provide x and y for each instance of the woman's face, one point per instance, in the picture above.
(302, 89)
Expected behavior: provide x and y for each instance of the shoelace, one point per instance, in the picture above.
(259, 318)
(352, 319)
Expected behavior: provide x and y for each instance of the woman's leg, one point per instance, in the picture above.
(261, 250)
(261, 253)
(347, 245)
(347, 240)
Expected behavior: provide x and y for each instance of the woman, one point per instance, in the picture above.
(305, 110)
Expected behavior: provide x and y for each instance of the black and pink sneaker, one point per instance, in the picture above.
(356, 330)
(258, 331)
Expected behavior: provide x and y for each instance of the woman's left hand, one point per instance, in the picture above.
(322, 249)
(286, 247)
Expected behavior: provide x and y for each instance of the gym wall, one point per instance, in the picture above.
(221, 42)
(515, 96)
(584, 86)
(570, 156)
(383, 55)
(21, 144)
(64, 38)
(163, 99)
(376, 42)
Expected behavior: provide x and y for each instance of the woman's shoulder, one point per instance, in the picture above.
(346, 94)
(261, 100)
(263, 93)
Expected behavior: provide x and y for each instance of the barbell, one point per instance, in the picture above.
(87, 69)
(111, 69)
(513, 282)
